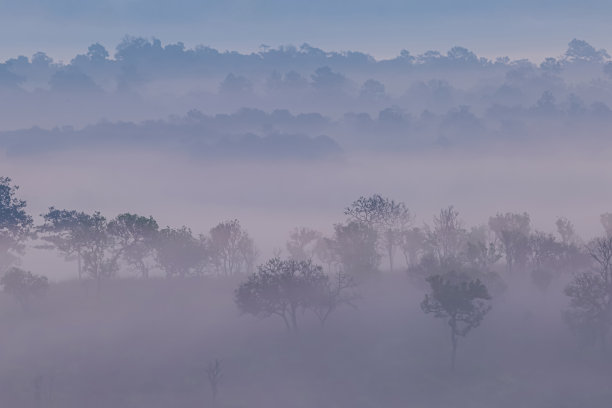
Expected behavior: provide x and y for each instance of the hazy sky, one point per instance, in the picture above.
(518, 28)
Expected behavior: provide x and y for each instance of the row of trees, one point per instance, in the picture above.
(460, 267)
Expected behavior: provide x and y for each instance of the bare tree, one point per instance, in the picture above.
(231, 247)
(334, 294)
(214, 375)
(447, 238)
(590, 295)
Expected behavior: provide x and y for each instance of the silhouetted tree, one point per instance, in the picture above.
(334, 294)
(302, 242)
(387, 217)
(413, 243)
(355, 244)
(179, 253)
(590, 295)
(282, 288)
(566, 231)
(447, 238)
(214, 376)
(86, 236)
(23, 285)
(135, 236)
(512, 231)
(462, 302)
(15, 223)
(231, 248)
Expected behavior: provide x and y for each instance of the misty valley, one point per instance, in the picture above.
(386, 310)
(186, 226)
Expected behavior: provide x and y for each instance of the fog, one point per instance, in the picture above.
(297, 227)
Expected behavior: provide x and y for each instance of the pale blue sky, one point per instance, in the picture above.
(518, 28)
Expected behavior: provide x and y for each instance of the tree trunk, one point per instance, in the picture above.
(80, 266)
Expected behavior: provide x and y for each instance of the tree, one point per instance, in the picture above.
(85, 236)
(325, 251)
(281, 288)
(15, 223)
(179, 253)
(214, 376)
(334, 294)
(302, 242)
(606, 222)
(135, 237)
(231, 248)
(448, 235)
(387, 217)
(566, 231)
(512, 231)
(23, 285)
(355, 244)
(590, 293)
(462, 302)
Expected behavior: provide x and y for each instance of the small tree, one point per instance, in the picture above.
(15, 223)
(214, 376)
(23, 285)
(463, 303)
(282, 288)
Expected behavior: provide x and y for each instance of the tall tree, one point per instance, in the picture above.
(135, 236)
(15, 223)
(512, 230)
(447, 238)
(388, 217)
(355, 244)
(86, 237)
(461, 302)
(231, 248)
